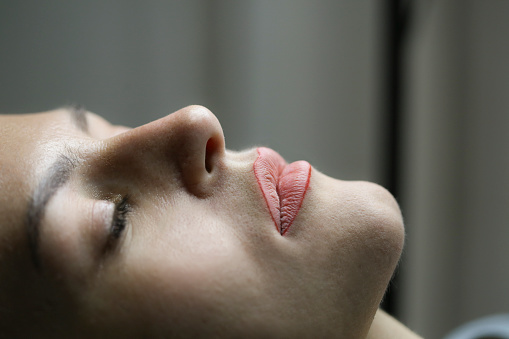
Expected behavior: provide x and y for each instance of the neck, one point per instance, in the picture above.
(386, 327)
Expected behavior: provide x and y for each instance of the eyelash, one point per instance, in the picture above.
(119, 222)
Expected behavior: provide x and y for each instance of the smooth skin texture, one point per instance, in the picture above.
(386, 327)
(160, 231)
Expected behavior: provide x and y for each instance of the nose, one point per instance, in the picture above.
(188, 144)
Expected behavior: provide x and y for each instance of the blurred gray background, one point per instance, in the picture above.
(310, 79)
(277, 73)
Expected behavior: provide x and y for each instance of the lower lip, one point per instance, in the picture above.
(283, 186)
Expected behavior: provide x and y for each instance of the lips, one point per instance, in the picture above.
(283, 186)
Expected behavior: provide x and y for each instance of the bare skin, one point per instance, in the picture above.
(386, 327)
(160, 231)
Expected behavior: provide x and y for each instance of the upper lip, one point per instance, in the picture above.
(283, 186)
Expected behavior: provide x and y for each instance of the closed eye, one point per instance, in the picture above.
(119, 220)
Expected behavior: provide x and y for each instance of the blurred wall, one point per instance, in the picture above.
(456, 165)
(299, 76)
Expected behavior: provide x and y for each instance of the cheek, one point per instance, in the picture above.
(180, 272)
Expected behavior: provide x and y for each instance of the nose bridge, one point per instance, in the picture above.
(188, 144)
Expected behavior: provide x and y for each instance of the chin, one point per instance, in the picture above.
(355, 227)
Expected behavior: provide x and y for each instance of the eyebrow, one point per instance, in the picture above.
(54, 178)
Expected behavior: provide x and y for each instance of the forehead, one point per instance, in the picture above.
(26, 132)
(27, 143)
(25, 139)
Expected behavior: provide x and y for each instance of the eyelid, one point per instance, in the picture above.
(102, 213)
(105, 215)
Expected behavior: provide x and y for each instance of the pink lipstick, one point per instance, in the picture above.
(283, 186)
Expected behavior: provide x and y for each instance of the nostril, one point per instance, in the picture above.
(199, 148)
(209, 154)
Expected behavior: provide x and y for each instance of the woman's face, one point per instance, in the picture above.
(160, 230)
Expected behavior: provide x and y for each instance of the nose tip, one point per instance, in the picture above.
(186, 147)
(200, 147)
